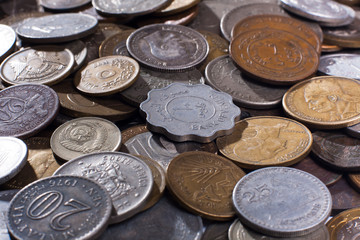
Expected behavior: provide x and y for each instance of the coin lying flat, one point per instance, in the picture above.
(344, 225)
(59, 207)
(282, 202)
(79, 50)
(340, 65)
(5, 198)
(115, 44)
(63, 5)
(7, 41)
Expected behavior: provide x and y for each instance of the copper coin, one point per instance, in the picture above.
(274, 56)
(325, 48)
(354, 130)
(176, 6)
(345, 225)
(344, 197)
(115, 44)
(203, 183)
(27, 109)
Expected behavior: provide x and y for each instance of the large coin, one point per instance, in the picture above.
(5, 198)
(126, 178)
(341, 65)
(324, 102)
(345, 225)
(7, 41)
(59, 207)
(27, 109)
(168, 47)
(63, 5)
(282, 202)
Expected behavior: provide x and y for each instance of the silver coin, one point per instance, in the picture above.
(56, 28)
(63, 5)
(168, 47)
(165, 220)
(282, 201)
(350, 19)
(223, 75)
(7, 41)
(190, 112)
(79, 50)
(341, 65)
(127, 179)
(149, 79)
(60, 207)
(5, 198)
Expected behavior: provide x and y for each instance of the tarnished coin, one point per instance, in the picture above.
(266, 141)
(59, 207)
(340, 65)
(63, 5)
(13, 156)
(223, 75)
(194, 178)
(84, 135)
(40, 64)
(115, 44)
(7, 42)
(26, 109)
(126, 178)
(176, 6)
(190, 112)
(150, 79)
(354, 180)
(107, 75)
(5, 198)
(344, 225)
(324, 102)
(274, 56)
(282, 202)
(354, 130)
(168, 47)
(57, 28)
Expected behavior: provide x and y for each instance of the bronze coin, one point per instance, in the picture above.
(115, 44)
(345, 225)
(274, 56)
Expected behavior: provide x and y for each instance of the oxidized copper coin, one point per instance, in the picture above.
(115, 44)
(27, 109)
(274, 56)
(345, 225)
(344, 197)
(203, 183)
(176, 6)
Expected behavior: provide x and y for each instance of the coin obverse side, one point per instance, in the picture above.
(127, 179)
(282, 202)
(5, 198)
(344, 225)
(57, 207)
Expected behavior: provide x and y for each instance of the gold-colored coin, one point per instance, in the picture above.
(115, 44)
(107, 75)
(345, 225)
(266, 141)
(324, 102)
(326, 48)
(176, 6)
(203, 183)
(129, 133)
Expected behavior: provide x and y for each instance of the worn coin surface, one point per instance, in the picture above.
(168, 47)
(345, 225)
(115, 44)
(84, 135)
(40, 65)
(59, 207)
(324, 102)
(340, 65)
(63, 5)
(7, 41)
(282, 202)
(5, 198)
(27, 109)
(344, 196)
(126, 178)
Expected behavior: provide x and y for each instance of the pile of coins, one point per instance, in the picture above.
(169, 119)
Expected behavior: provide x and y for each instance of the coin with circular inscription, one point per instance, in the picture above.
(63, 5)
(353, 130)
(126, 178)
(40, 65)
(340, 65)
(5, 198)
(345, 225)
(168, 47)
(7, 41)
(266, 141)
(176, 6)
(58, 207)
(115, 44)
(324, 102)
(282, 201)
(83, 136)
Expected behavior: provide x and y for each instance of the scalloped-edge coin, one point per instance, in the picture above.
(190, 112)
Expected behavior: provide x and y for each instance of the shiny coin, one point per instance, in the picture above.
(282, 202)
(7, 42)
(349, 19)
(27, 109)
(84, 135)
(14, 20)
(168, 47)
(190, 112)
(41, 65)
(59, 207)
(266, 141)
(344, 225)
(127, 179)
(176, 6)
(13, 156)
(57, 28)
(354, 130)
(344, 196)
(63, 5)
(107, 75)
(324, 102)
(341, 65)
(115, 44)
(5, 198)
(194, 178)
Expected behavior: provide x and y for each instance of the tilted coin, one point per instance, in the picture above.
(340, 65)
(344, 225)
(5, 198)
(7, 42)
(9, 8)
(63, 5)
(176, 6)
(324, 102)
(266, 141)
(57, 207)
(326, 48)
(167, 47)
(354, 130)
(190, 112)
(344, 196)
(203, 182)
(14, 20)
(282, 201)
(57, 28)
(223, 75)
(84, 135)
(41, 65)
(126, 178)
(115, 44)
(27, 109)
(216, 230)
(354, 180)
(349, 19)
(79, 50)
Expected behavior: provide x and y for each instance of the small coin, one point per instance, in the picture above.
(84, 135)
(272, 200)
(126, 178)
(176, 6)
(63, 5)
(354, 130)
(354, 180)
(324, 102)
(5, 198)
(7, 42)
(344, 225)
(27, 109)
(115, 44)
(59, 207)
(340, 65)
(41, 65)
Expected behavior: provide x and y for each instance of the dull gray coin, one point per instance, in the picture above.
(5, 198)
(79, 50)
(63, 5)
(354, 130)
(341, 65)
(7, 41)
